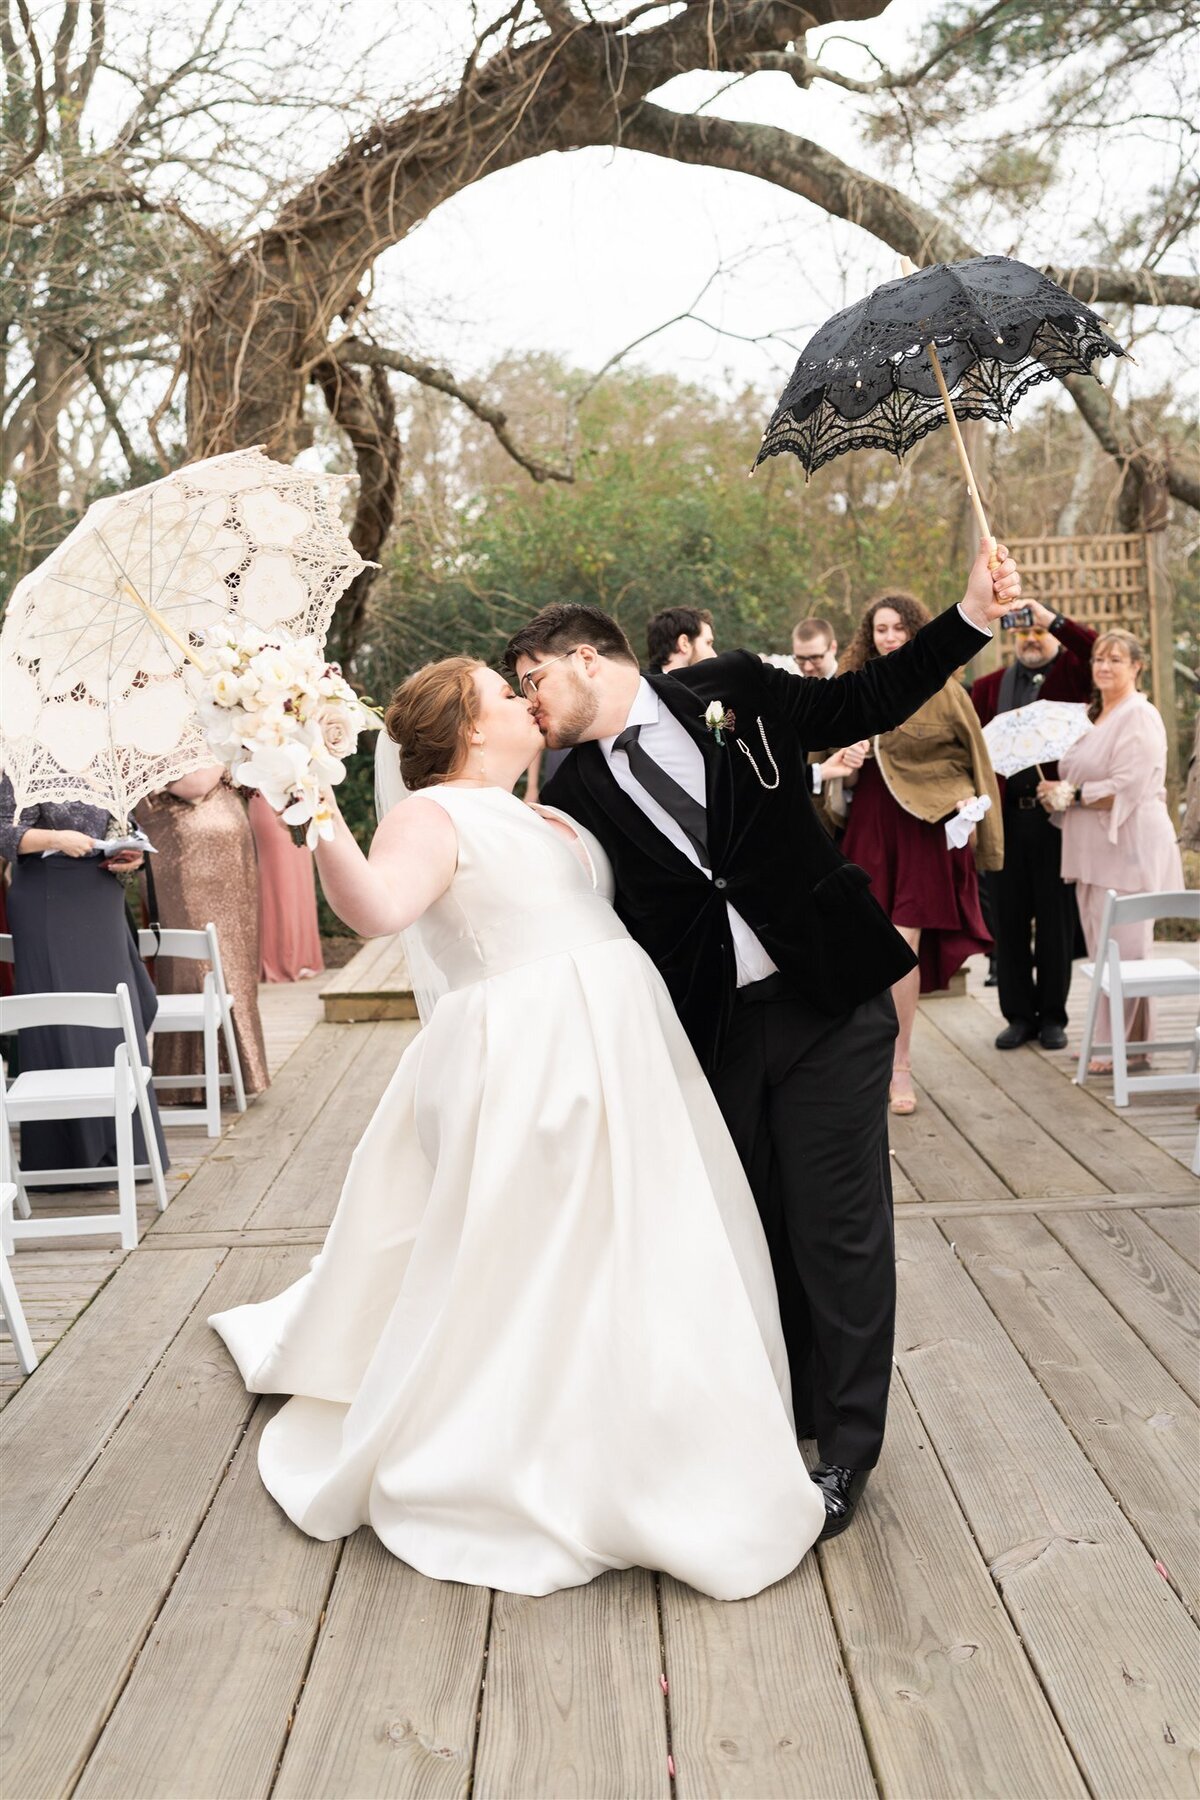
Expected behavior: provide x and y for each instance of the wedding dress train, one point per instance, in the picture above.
(542, 1338)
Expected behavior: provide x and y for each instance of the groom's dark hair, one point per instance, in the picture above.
(558, 629)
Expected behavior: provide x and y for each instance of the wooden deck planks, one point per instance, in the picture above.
(305, 1191)
(229, 1186)
(760, 1705)
(1112, 1645)
(949, 1704)
(572, 1703)
(1117, 1154)
(230, 1648)
(75, 1621)
(1180, 1226)
(1150, 1286)
(937, 1160)
(51, 1433)
(390, 1705)
(1137, 1426)
(1027, 1158)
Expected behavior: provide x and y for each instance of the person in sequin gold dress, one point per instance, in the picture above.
(205, 870)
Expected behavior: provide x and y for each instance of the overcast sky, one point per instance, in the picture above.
(582, 253)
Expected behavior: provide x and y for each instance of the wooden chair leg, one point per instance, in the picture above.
(1089, 1024)
(235, 1061)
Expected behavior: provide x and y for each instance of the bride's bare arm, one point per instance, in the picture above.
(412, 860)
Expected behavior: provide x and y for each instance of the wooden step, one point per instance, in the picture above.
(374, 984)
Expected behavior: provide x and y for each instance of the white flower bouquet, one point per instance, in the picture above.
(281, 719)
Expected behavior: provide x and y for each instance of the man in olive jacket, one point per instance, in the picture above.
(776, 955)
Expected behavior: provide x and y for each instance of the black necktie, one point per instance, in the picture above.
(687, 813)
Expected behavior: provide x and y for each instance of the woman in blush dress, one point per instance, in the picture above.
(204, 873)
(542, 1338)
(1111, 803)
(289, 937)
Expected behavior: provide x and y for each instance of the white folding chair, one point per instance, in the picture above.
(115, 1090)
(10, 1300)
(1149, 978)
(209, 1011)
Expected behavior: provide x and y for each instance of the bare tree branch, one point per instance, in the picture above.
(353, 350)
(1147, 463)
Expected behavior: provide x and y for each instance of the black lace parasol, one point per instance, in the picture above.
(959, 340)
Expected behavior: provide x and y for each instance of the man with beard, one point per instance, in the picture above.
(777, 958)
(1034, 916)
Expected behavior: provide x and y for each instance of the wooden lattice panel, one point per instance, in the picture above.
(1101, 581)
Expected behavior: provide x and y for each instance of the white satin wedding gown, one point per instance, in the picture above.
(542, 1337)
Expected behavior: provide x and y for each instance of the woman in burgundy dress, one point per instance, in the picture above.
(916, 778)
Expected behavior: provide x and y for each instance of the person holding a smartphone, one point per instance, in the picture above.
(1034, 917)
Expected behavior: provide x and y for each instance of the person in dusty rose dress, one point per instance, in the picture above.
(289, 938)
(205, 871)
(1111, 803)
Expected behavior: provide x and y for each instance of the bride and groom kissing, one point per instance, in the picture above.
(620, 1229)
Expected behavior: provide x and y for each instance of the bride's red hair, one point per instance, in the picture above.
(431, 716)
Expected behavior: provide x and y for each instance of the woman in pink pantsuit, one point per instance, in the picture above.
(287, 898)
(1112, 806)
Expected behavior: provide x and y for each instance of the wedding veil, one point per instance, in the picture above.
(428, 982)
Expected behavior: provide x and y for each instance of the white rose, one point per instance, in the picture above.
(225, 688)
(339, 730)
(714, 715)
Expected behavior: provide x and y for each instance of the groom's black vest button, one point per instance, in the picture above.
(720, 882)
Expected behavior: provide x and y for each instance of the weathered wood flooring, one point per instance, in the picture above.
(1013, 1613)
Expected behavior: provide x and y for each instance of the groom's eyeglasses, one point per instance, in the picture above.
(529, 686)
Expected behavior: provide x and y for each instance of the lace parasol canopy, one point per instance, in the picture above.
(866, 380)
(95, 695)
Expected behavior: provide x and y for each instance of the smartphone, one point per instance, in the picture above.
(1021, 620)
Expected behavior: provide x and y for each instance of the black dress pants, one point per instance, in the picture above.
(1036, 920)
(805, 1099)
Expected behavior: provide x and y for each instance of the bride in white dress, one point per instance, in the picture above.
(542, 1338)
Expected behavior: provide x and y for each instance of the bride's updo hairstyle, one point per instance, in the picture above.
(431, 716)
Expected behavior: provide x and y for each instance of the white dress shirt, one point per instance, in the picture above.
(680, 756)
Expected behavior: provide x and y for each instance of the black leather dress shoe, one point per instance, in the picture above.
(1014, 1035)
(1052, 1037)
(841, 1490)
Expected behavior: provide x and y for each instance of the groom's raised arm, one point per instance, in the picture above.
(889, 689)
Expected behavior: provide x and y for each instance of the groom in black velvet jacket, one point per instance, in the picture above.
(777, 956)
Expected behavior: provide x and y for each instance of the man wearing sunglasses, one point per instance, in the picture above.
(1034, 916)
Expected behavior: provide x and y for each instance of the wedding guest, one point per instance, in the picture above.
(71, 934)
(815, 648)
(1034, 916)
(289, 935)
(1111, 805)
(205, 873)
(679, 637)
(916, 778)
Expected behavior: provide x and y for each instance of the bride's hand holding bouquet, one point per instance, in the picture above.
(282, 719)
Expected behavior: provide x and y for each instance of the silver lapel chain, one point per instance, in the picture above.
(766, 746)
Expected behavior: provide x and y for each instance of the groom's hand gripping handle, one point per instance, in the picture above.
(991, 591)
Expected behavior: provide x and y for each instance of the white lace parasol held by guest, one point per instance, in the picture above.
(102, 653)
(1028, 736)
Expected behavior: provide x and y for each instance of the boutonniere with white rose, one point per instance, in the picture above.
(719, 720)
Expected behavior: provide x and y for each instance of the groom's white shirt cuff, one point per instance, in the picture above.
(675, 751)
(981, 629)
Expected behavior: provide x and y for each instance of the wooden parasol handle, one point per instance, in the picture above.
(168, 631)
(906, 268)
